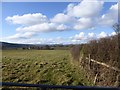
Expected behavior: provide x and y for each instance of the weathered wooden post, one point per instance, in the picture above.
(117, 83)
(89, 61)
(95, 79)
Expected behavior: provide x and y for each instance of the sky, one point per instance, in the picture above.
(57, 22)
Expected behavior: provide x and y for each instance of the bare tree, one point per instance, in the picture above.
(116, 28)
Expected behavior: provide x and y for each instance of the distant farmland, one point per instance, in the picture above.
(51, 67)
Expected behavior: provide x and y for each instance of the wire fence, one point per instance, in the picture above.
(54, 87)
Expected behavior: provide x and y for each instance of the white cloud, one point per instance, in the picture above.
(28, 19)
(84, 11)
(83, 38)
(102, 35)
(25, 35)
(34, 40)
(85, 8)
(62, 18)
(43, 27)
(111, 17)
(82, 16)
(80, 36)
(62, 27)
(113, 33)
(114, 7)
(83, 23)
(76, 39)
(91, 34)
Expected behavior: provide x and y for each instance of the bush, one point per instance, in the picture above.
(106, 50)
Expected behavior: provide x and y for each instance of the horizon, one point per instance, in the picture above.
(39, 44)
(57, 23)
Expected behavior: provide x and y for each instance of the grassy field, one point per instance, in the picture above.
(51, 67)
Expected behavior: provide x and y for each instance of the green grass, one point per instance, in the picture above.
(51, 67)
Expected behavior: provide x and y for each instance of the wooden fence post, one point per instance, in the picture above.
(95, 79)
(103, 64)
(117, 83)
(89, 61)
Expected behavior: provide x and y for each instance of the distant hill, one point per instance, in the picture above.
(6, 45)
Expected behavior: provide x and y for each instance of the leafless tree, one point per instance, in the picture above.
(116, 28)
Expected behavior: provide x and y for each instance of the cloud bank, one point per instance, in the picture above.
(81, 16)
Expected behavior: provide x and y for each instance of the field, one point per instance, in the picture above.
(51, 67)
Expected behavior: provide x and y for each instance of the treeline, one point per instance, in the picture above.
(45, 47)
(11, 46)
(105, 50)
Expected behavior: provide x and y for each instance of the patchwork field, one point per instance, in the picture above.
(51, 67)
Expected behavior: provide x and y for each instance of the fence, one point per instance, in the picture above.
(45, 87)
(103, 64)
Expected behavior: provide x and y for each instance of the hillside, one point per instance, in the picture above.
(6, 45)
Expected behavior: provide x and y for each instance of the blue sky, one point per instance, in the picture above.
(57, 22)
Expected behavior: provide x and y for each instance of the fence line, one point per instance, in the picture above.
(104, 64)
(44, 87)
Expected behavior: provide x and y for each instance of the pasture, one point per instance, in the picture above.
(51, 67)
